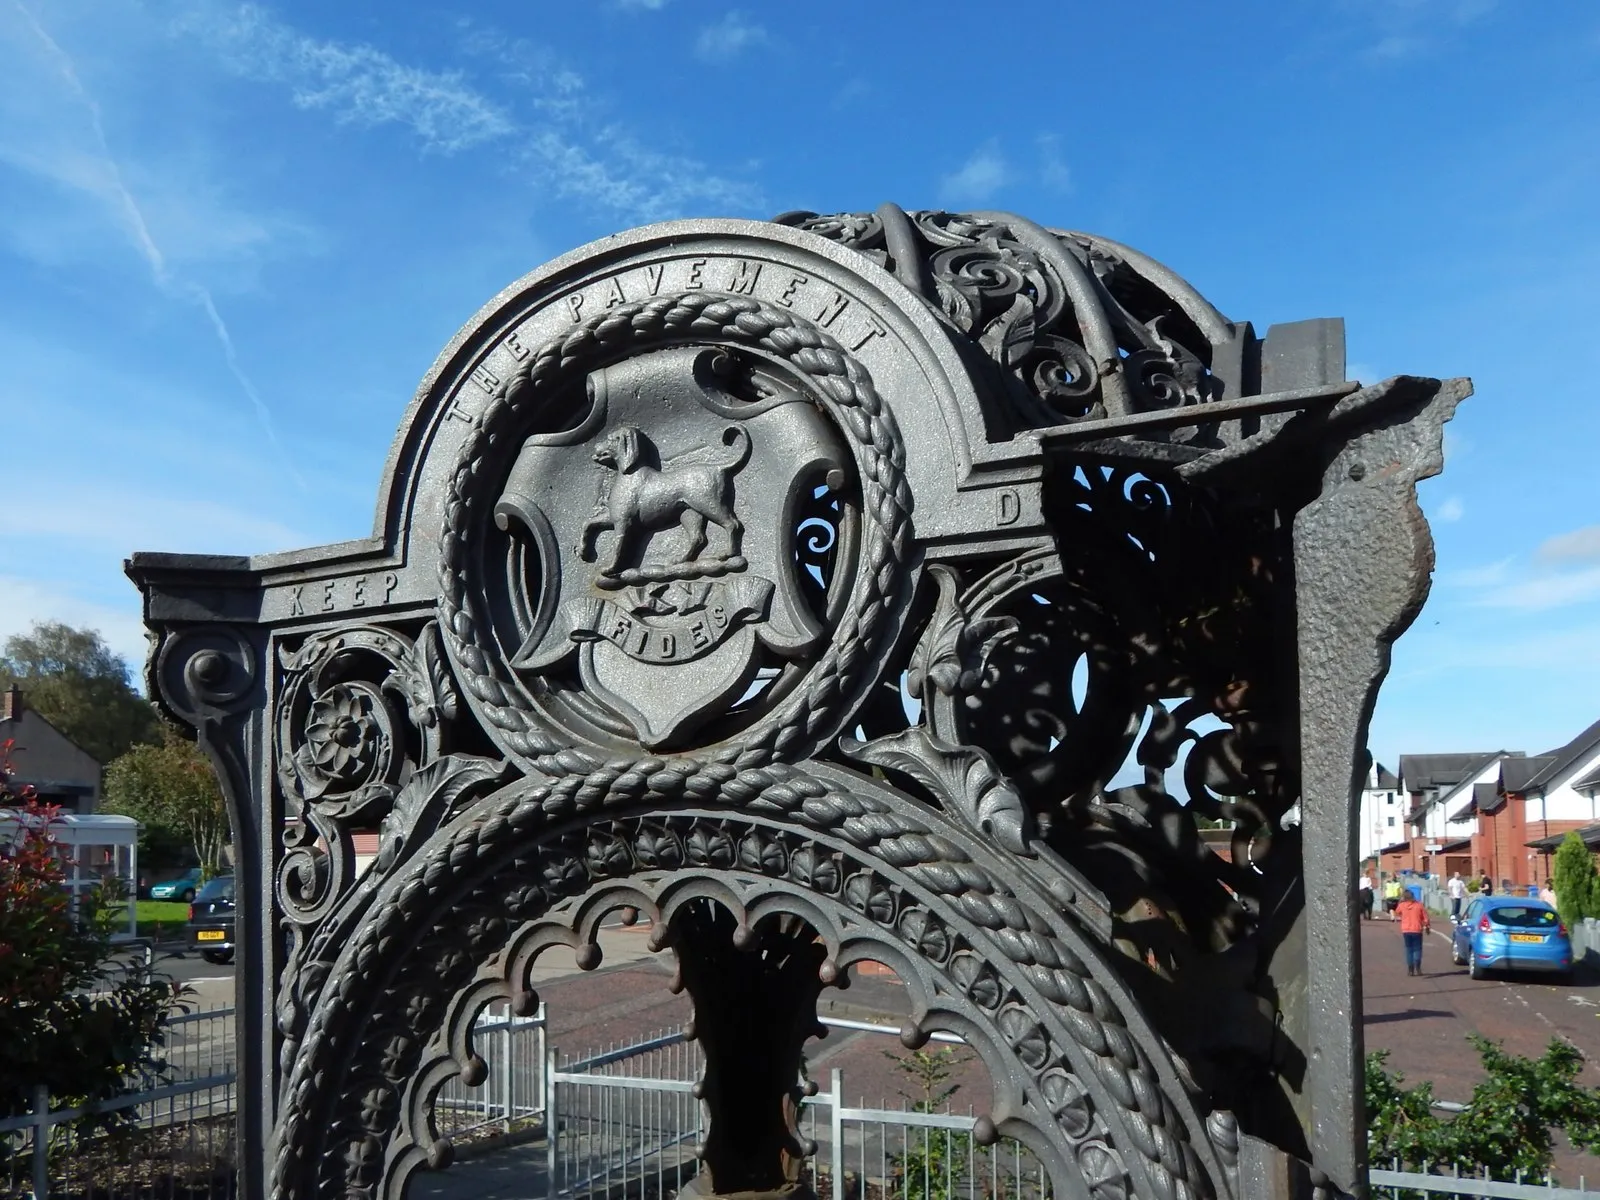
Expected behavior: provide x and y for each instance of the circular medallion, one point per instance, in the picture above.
(680, 526)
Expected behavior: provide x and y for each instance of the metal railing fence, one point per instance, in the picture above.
(513, 1096)
(625, 1121)
(173, 1133)
(622, 1120)
(1395, 1184)
(625, 1115)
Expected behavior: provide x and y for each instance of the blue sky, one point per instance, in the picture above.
(232, 238)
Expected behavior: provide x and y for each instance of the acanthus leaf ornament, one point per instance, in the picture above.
(951, 659)
(426, 802)
(963, 778)
(953, 652)
(423, 679)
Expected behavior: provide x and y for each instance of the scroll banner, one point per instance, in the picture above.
(675, 623)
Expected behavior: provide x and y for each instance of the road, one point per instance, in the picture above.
(1423, 1022)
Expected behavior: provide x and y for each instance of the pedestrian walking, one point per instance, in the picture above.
(1413, 919)
(1392, 892)
(1486, 887)
(1364, 895)
(1457, 888)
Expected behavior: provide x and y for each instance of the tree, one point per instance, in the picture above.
(936, 1164)
(75, 1020)
(77, 683)
(1576, 883)
(1506, 1129)
(171, 786)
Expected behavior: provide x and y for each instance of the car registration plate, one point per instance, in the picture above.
(210, 935)
(1527, 937)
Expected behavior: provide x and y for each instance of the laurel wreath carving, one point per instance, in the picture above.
(806, 718)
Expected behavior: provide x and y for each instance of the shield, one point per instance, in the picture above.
(663, 525)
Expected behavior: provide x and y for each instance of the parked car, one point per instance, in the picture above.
(211, 920)
(1511, 933)
(182, 888)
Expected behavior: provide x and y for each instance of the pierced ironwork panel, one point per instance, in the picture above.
(931, 589)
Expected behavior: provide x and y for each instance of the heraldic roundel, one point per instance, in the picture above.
(680, 518)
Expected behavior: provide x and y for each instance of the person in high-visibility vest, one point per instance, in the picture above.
(1392, 891)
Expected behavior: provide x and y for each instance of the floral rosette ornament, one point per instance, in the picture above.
(357, 705)
(343, 741)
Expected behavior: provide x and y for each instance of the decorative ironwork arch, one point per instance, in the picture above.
(991, 960)
(813, 587)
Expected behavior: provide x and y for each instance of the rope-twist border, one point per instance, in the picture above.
(1156, 1132)
(799, 723)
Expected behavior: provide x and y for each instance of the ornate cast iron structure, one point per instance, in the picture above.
(804, 586)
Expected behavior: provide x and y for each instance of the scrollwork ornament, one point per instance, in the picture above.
(206, 672)
(1082, 332)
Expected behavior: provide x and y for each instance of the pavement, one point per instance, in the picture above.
(625, 1000)
(1424, 1021)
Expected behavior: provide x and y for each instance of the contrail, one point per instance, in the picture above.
(146, 242)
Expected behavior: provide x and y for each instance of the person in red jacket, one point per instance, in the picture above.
(1413, 920)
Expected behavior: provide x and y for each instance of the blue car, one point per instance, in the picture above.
(182, 888)
(1510, 933)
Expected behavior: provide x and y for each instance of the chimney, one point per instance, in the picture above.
(11, 704)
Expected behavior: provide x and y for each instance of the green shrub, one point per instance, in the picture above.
(1506, 1128)
(75, 1019)
(1577, 886)
(934, 1162)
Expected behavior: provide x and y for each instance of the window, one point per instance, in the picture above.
(1525, 916)
(1391, 822)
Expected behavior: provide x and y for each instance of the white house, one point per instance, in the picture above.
(1439, 820)
(1382, 808)
(1557, 799)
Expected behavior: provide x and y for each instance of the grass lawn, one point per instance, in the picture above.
(156, 917)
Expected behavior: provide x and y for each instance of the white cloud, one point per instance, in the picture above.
(1395, 48)
(1546, 592)
(1489, 575)
(977, 179)
(356, 83)
(1579, 544)
(1406, 29)
(1451, 510)
(23, 602)
(562, 140)
(728, 38)
(1053, 170)
(90, 167)
(1562, 651)
(133, 517)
